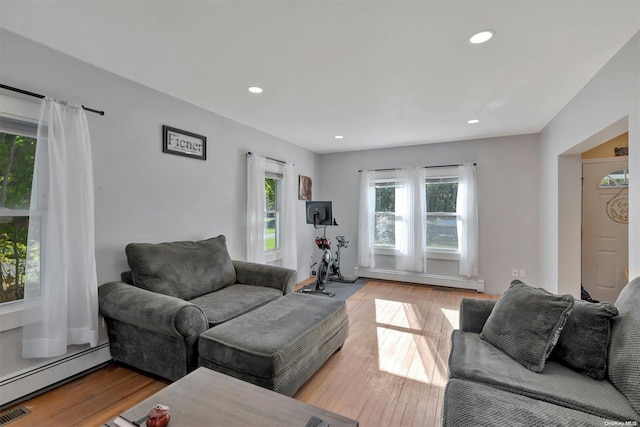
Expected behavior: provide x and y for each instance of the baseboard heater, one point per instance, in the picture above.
(28, 381)
(421, 278)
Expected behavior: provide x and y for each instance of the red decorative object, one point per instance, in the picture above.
(158, 416)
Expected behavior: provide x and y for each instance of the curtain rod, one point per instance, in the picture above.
(425, 167)
(249, 153)
(37, 95)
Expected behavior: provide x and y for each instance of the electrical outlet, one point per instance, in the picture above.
(523, 272)
(514, 272)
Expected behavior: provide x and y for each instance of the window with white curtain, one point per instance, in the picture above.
(441, 191)
(271, 225)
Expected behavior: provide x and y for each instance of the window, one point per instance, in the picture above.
(273, 208)
(17, 155)
(441, 196)
(385, 215)
(442, 227)
(618, 178)
(272, 190)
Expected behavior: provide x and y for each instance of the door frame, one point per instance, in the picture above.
(592, 161)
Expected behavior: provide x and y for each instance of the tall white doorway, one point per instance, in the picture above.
(605, 235)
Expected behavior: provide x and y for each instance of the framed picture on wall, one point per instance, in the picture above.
(304, 187)
(183, 143)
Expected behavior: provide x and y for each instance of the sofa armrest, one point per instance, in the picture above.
(474, 312)
(151, 311)
(250, 273)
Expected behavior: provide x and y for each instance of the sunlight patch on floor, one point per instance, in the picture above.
(402, 349)
(398, 354)
(452, 316)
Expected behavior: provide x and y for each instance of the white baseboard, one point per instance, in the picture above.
(23, 383)
(421, 278)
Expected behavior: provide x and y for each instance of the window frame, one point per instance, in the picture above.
(28, 112)
(443, 173)
(623, 184)
(432, 252)
(391, 181)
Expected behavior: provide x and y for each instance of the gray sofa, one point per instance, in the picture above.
(176, 291)
(488, 387)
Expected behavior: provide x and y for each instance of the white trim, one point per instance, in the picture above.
(607, 159)
(448, 172)
(273, 255)
(20, 109)
(421, 278)
(8, 213)
(388, 250)
(11, 315)
(30, 380)
(432, 253)
(448, 254)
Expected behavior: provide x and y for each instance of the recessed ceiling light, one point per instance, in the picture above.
(254, 89)
(473, 121)
(482, 36)
(338, 137)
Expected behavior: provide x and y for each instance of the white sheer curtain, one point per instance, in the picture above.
(467, 211)
(61, 290)
(289, 197)
(366, 224)
(411, 220)
(255, 208)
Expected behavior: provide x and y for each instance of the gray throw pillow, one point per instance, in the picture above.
(526, 323)
(184, 270)
(584, 341)
(624, 350)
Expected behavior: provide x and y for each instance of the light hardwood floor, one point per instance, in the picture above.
(391, 371)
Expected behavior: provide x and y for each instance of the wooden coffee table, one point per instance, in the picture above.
(209, 398)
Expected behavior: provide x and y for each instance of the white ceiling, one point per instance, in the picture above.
(381, 73)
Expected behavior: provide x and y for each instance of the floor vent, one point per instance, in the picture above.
(7, 417)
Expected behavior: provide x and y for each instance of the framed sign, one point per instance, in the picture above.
(183, 143)
(621, 151)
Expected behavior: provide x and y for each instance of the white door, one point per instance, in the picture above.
(605, 234)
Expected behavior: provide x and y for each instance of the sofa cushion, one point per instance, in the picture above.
(472, 404)
(474, 359)
(624, 350)
(184, 270)
(584, 341)
(233, 301)
(526, 322)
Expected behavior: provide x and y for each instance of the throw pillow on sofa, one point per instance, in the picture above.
(526, 323)
(584, 341)
(184, 270)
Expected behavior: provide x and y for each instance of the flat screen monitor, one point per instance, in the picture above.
(319, 213)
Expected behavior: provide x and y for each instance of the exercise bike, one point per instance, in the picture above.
(329, 267)
(325, 267)
(336, 275)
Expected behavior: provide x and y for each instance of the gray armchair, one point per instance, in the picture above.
(173, 293)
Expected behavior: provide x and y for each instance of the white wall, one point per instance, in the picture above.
(141, 193)
(605, 107)
(507, 172)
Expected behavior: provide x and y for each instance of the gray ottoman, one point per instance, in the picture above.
(280, 345)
